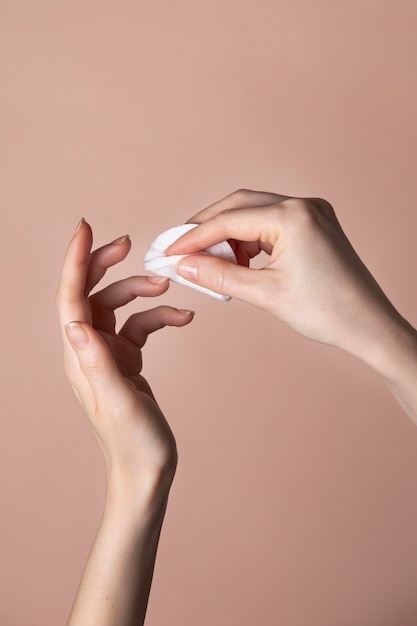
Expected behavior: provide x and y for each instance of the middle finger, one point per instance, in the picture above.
(104, 302)
(241, 199)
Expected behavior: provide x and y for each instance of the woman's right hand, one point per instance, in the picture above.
(314, 281)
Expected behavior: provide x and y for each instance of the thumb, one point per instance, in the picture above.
(94, 356)
(225, 278)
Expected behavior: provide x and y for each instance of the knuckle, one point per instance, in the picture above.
(221, 223)
(323, 205)
(300, 210)
(92, 369)
(217, 278)
(241, 194)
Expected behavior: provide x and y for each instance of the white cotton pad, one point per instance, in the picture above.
(156, 262)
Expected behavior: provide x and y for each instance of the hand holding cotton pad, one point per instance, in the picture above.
(156, 262)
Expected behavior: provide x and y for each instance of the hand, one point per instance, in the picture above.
(314, 281)
(104, 366)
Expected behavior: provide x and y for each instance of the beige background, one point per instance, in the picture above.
(295, 500)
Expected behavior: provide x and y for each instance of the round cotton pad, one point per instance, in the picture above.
(156, 262)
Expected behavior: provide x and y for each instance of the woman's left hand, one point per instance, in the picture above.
(104, 367)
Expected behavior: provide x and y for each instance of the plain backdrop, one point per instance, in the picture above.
(295, 500)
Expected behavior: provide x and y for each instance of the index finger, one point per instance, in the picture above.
(70, 299)
(251, 224)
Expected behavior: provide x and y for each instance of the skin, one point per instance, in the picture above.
(139, 450)
(313, 281)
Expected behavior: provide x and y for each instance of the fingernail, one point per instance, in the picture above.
(76, 334)
(120, 239)
(157, 279)
(82, 220)
(186, 311)
(187, 269)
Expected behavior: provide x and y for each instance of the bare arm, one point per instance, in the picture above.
(394, 358)
(117, 578)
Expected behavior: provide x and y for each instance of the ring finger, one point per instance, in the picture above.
(140, 325)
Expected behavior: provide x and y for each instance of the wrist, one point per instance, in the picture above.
(392, 353)
(138, 496)
(372, 330)
(384, 348)
(397, 355)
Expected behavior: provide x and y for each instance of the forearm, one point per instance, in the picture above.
(399, 369)
(391, 351)
(115, 586)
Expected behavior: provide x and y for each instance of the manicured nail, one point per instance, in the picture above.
(76, 334)
(119, 239)
(187, 269)
(79, 225)
(157, 279)
(186, 311)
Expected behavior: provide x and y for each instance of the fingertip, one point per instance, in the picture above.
(167, 251)
(186, 312)
(82, 226)
(158, 284)
(178, 247)
(77, 334)
(186, 316)
(157, 280)
(119, 240)
(79, 225)
(83, 235)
